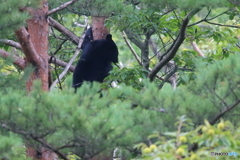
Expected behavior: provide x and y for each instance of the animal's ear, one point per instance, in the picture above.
(109, 37)
(88, 38)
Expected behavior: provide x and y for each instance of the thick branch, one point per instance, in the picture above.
(11, 43)
(16, 60)
(19, 62)
(61, 7)
(224, 112)
(63, 30)
(27, 46)
(175, 46)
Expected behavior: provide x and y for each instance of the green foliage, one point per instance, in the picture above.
(93, 7)
(222, 138)
(128, 76)
(10, 78)
(89, 122)
(11, 18)
(185, 4)
(101, 124)
(82, 118)
(12, 148)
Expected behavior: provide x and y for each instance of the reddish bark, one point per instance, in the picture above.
(48, 155)
(34, 42)
(16, 60)
(31, 152)
(99, 30)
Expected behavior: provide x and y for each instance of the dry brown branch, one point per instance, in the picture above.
(131, 48)
(27, 46)
(72, 37)
(61, 7)
(18, 46)
(16, 60)
(70, 62)
(197, 49)
(11, 43)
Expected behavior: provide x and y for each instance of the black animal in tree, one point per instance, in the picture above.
(96, 59)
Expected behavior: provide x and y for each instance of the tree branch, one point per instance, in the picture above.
(27, 46)
(134, 38)
(41, 141)
(61, 7)
(207, 20)
(194, 146)
(16, 60)
(218, 24)
(175, 46)
(63, 30)
(131, 48)
(223, 112)
(62, 64)
(11, 43)
(20, 62)
(197, 49)
(167, 78)
(70, 62)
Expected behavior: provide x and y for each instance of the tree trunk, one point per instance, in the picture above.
(38, 30)
(34, 42)
(99, 30)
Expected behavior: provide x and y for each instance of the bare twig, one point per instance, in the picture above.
(59, 47)
(70, 62)
(237, 45)
(63, 64)
(207, 20)
(134, 38)
(63, 30)
(61, 7)
(197, 49)
(167, 78)
(131, 48)
(224, 25)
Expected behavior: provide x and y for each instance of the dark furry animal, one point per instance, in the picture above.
(87, 39)
(96, 60)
